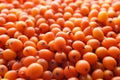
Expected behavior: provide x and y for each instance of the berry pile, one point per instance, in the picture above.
(59, 40)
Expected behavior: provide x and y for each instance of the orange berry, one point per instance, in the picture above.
(82, 67)
(97, 74)
(29, 51)
(46, 54)
(12, 43)
(3, 70)
(114, 52)
(116, 6)
(35, 69)
(98, 34)
(58, 73)
(74, 55)
(102, 16)
(90, 57)
(11, 75)
(9, 54)
(60, 43)
(109, 62)
(70, 71)
(78, 45)
(108, 42)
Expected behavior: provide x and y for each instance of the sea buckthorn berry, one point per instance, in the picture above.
(84, 10)
(98, 65)
(117, 71)
(28, 4)
(67, 15)
(79, 35)
(60, 21)
(78, 22)
(109, 62)
(46, 54)
(42, 44)
(78, 45)
(11, 17)
(34, 11)
(70, 71)
(114, 52)
(49, 36)
(51, 45)
(97, 74)
(17, 33)
(11, 75)
(29, 51)
(47, 75)
(87, 48)
(82, 67)
(108, 74)
(62, 34)
(22, 72)
(58, 73)
(17, 65)
(68, 9)
(3, 39)
(42, 10)
(111, 34)
(108, 42)
(94, 43)
(58, 15)
(98, 34)
(29, 31)
(9, 25)
(50, 21)
(60, 57)
(20, 26)
(52, 64)
(90, 57)
(69, 24)
(74, 55)
(60, 43)
(115, 6)
(54, 25)
(84, 24)
(9, 54)
(43, 62)
(76, 29)
(44, 27)
(28, 60)
(29, 43)
(35, 69)
(102, 16)
(2, 20)
(106, 29)
(3, 70)
(11, 31)
(23, 38)
(34, 39)
(3, 30)
(55, 5)
(88, 31)
(101, 52)
(48, 14)
(93, 13)
(12, 43)
(30, 22)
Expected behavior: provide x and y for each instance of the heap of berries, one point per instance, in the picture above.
(59, 39)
